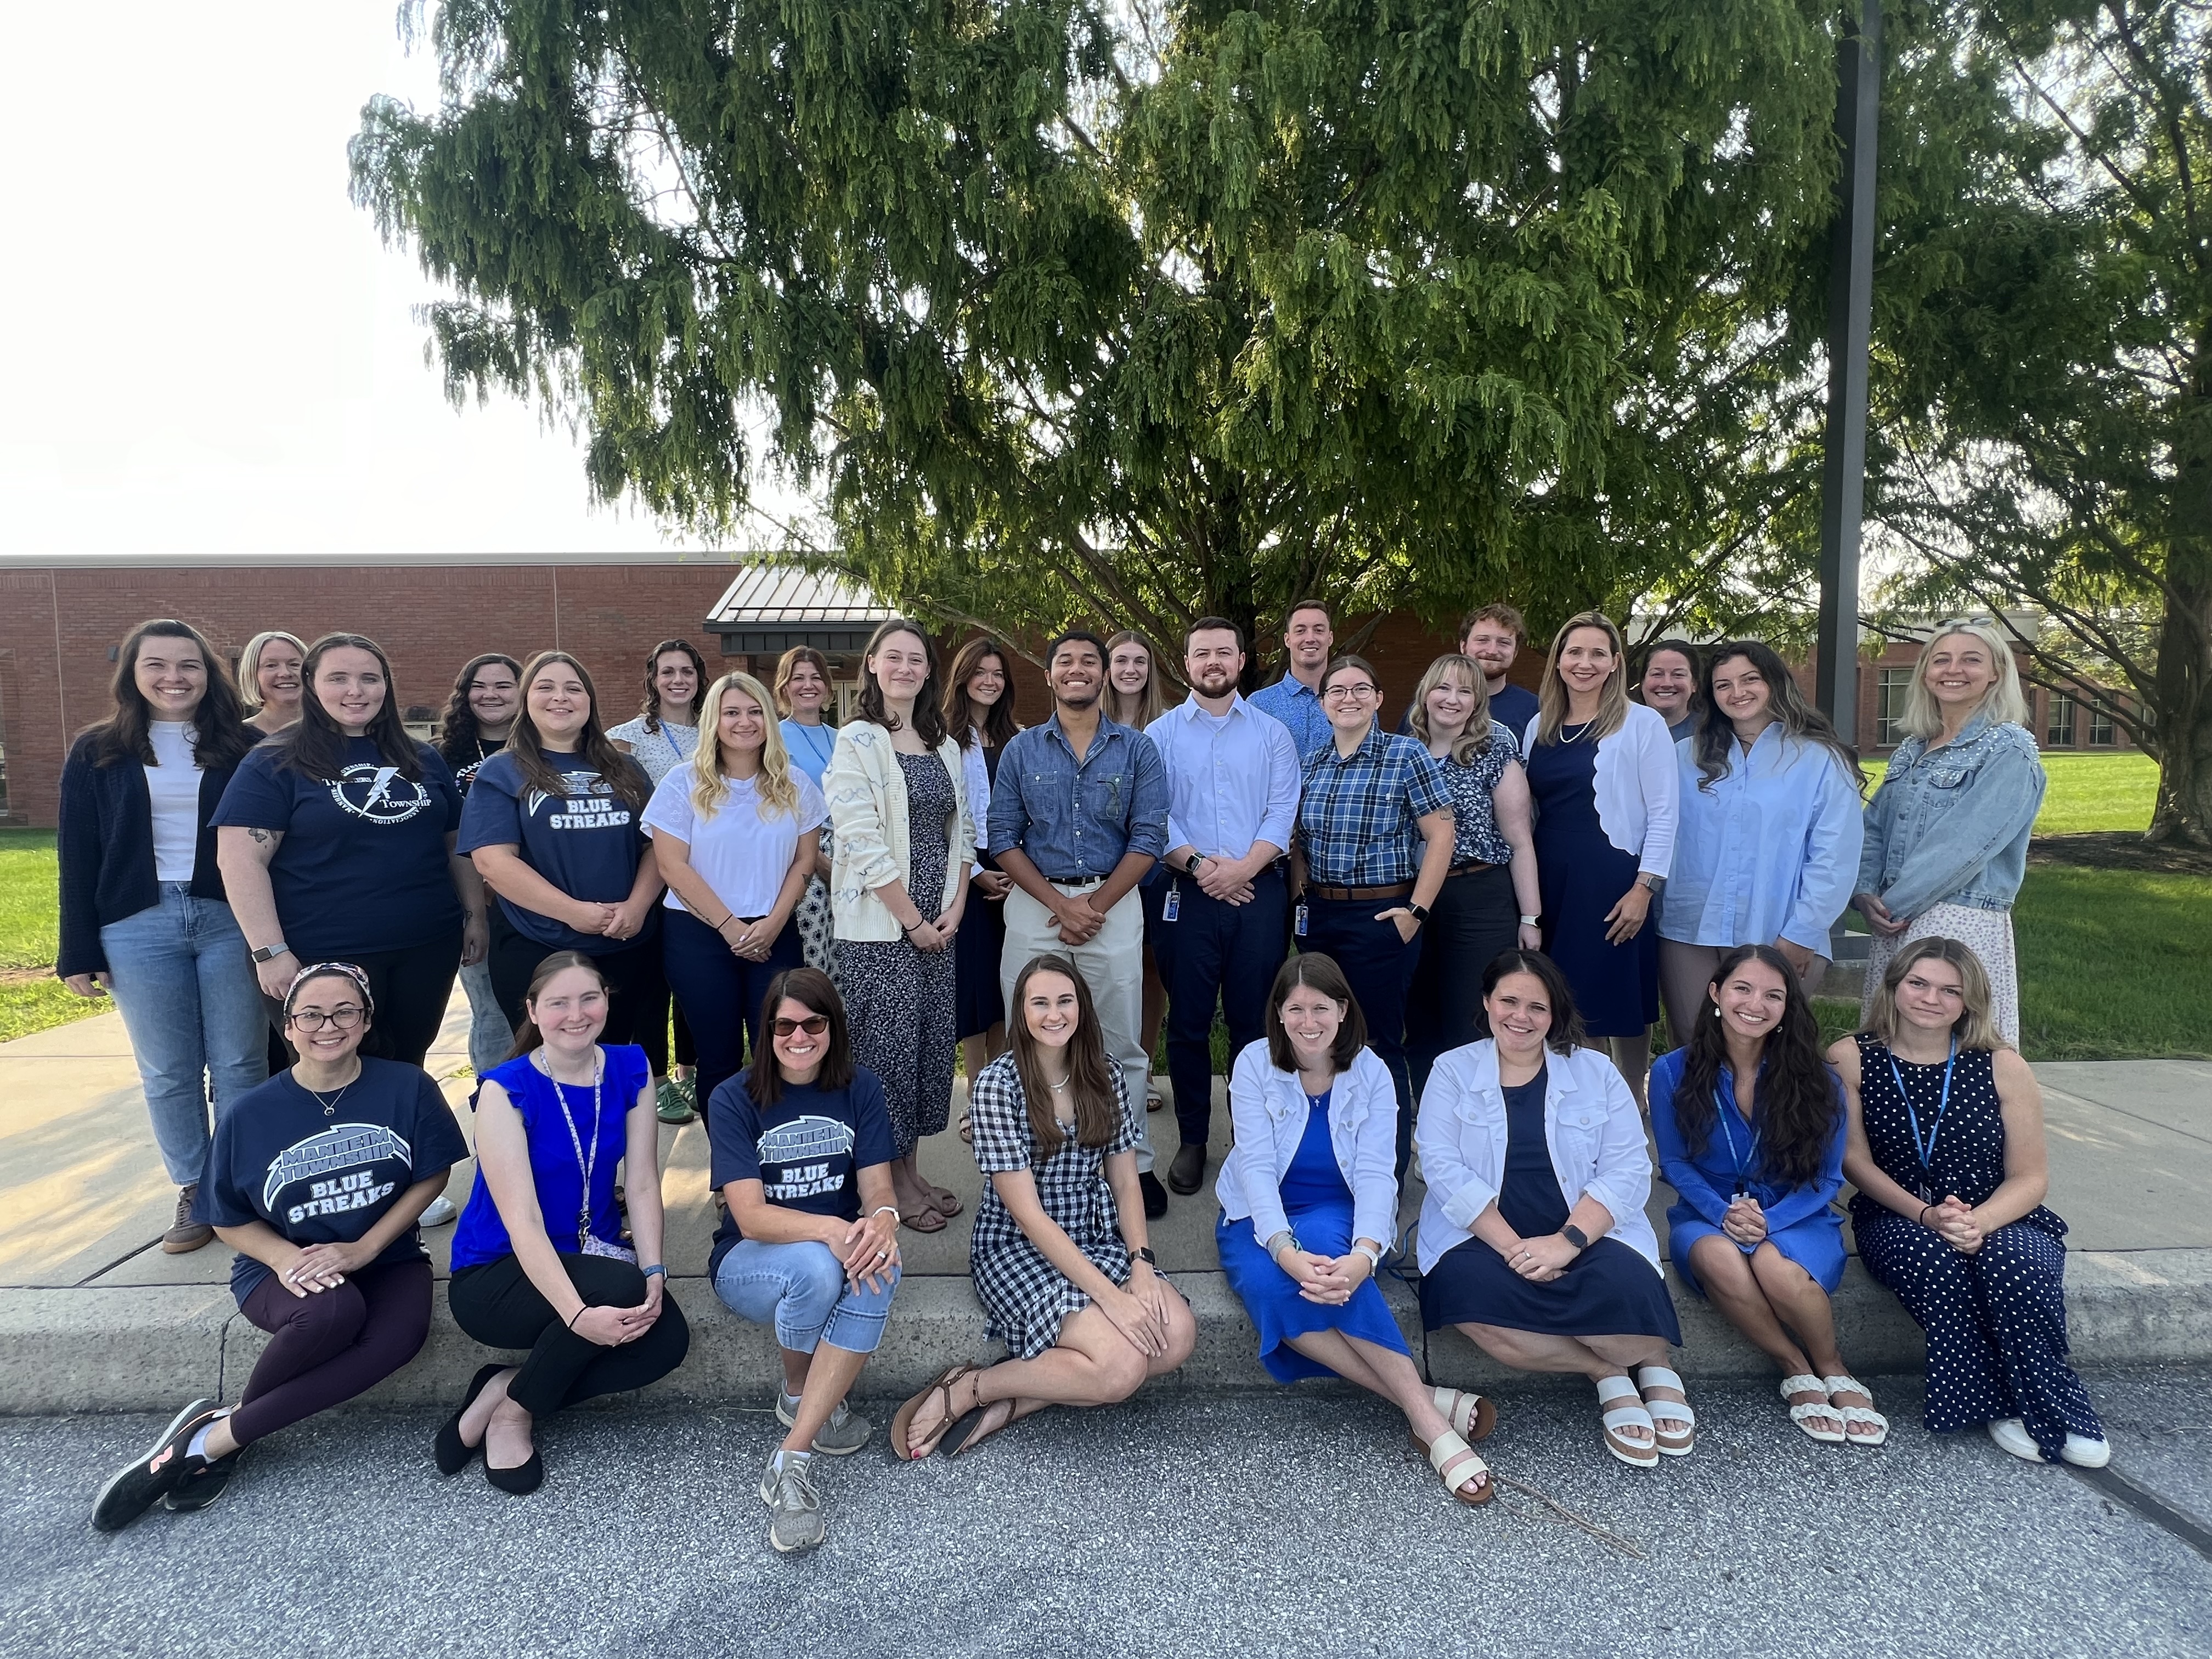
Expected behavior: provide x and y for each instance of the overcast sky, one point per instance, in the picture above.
(208, 347)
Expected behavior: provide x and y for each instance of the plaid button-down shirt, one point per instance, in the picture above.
(1359, 820)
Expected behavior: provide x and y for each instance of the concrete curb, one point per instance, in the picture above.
(141, 1349)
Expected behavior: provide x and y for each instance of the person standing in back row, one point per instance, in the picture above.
(1232, 804)
(1078, 814)
(487, 696)
(1295, 699)
(1493, 638)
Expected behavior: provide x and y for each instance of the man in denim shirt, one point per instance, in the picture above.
(1078, 814)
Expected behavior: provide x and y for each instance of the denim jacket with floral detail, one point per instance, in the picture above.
(1951, 826)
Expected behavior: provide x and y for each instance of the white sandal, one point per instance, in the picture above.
(1851, 1415)
(1641, 1455)
(1677, 1443)
(1804, 1412)
(1457, 1463)
(1471, 1416)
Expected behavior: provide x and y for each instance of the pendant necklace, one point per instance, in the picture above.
(331, 1106)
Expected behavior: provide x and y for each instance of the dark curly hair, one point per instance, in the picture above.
(1799, 1101)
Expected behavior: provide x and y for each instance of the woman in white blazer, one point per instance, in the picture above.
(1309, 1200)
(1602, 779)
(905, 841)
(1532, 1236)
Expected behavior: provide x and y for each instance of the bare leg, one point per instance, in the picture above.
(909, 1190)
(507, 1440)
(1093, 1364)
(1631, 1056)
(1726, 1275)
(1594, 1356)
(479, 1415)
(823, 1385)
(1796, 1295)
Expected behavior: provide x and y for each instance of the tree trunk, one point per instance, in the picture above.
(2185, 707)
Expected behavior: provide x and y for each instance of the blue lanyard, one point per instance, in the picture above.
(1725, 1112)
(1925, 1151)
(670, 741)
(819, 756)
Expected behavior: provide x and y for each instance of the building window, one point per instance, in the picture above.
(2058, 729)
(1890, 685)
(2101, 733)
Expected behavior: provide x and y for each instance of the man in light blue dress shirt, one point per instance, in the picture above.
(1232, 803)
(1295, 699)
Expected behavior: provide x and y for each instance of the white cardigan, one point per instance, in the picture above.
(866, 795)
(1590, 1123)
(1636, 786)
(1267, 1106)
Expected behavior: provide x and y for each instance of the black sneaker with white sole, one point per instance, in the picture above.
(150, 1476)
(202, 1483)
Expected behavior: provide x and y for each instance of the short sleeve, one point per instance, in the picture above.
(670, 812)
(734, 1134)
(437, 1141)
(259, 797)
(1428, 792)
(491, 815)
(222, 1202)
(872, 1121)
(813, 810)
(438, 778)
(1126, 1136)
(999, 1115)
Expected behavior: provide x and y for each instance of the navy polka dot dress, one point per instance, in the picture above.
(1996, 1320)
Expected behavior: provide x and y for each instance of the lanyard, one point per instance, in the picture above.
(1925, 1151)
(819, 756)
(670, 741)
(1726, 1111)
(585, 1165)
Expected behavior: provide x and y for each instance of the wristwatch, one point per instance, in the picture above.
(1651, 883)
(270, 952)
(1575, 1235)
(1419, 912)
(1530, 921)
(1143, 1253)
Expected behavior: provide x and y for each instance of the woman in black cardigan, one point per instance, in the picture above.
(143, 915)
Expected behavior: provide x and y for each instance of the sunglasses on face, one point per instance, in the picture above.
(813, 1026)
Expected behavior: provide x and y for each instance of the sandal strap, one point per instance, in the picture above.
(1622, 1417)
(1804, 1382)
(1659, 1377)
(1861, 1414)
(1845, 1385)
(1458, 1407)
(1812, 1408)
(1627, 1390)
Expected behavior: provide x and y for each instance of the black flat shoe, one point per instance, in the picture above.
(454, 1455)
(1156, 1196)
(522, 1480)
(202, 1483)
(1187, 1173)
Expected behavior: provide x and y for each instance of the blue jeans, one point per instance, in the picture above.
(1211, 952)
(184, 982)
(801, 1288)
(489, 1035)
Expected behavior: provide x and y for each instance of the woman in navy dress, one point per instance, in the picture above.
(979, 711)
(1308, 1202)
(1948, 1154)
(1602, 773)
(1749, 1123)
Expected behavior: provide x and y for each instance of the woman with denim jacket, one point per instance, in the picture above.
(1947, 832)
(1309, 1202)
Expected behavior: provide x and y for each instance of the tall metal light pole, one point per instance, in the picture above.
(1851, 290)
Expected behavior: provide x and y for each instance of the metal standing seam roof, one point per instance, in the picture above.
(791, 596)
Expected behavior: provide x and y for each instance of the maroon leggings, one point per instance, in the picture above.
(331, 1345)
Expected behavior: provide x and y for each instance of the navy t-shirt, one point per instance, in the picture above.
(363, 866)
(586, 841)
(806, 1151)
(326, 1177)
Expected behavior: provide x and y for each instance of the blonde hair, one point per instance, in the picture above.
(249, 665)
(709, 789)
(1613, 697)
(2004, 703)
(1977, 1027)
(1475, 740)
(1152, 702)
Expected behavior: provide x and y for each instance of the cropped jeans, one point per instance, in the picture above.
(801, 1288)
(184, 982)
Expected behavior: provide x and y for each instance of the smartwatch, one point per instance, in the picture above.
(1575, 1235)
(270, 952)
(1419, 912)
(1144, 1252)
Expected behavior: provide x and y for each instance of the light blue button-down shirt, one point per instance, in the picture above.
(1770, 849)
(1075, 820)
(1297, 706)
(1232, 778)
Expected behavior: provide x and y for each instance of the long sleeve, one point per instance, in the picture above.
(1374, 1155)
(1688, 1180)
(1009, 818)
(960, 842)
(2005, 793)
(1622, 1181)
(1446, 1162)
(856, 813)
(1831, 867)
(1250, 1165)
(1285, 777)
(1658, 777)
(78, 843)
(1810, 1199)
(1874, 829)
(1148, 801)
(977, 774)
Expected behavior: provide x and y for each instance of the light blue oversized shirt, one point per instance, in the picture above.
(1297, 706)
(1770, 849)
(1232, 778)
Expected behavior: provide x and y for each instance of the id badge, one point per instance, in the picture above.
(1172, 906)
(1298, 919)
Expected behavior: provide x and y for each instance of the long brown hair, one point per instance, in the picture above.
(998, 724)
(928, 702)
(811, 987)
(649, 710)
(219, 735)
(1091, 1079)
(316, 747)
(1798, 1100)
(624, 778)
(526, 1034)
(1801, 722)
(461, 734)
(1152, 703)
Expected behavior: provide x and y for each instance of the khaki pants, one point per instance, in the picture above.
(1112, 967)
(1685, 971)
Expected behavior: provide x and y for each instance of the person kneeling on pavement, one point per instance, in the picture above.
(316, 1178)
(802, 1155)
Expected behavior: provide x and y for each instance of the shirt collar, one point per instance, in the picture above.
(1190, 710)
(1107, 727)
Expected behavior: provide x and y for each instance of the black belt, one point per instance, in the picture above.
(1075, 881)
(1471, 867)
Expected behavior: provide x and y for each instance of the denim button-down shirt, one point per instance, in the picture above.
(1360, 819)
(1768, 849)
(1951, 827)
(1233, 779)
(1072, 820)
(1297, 705)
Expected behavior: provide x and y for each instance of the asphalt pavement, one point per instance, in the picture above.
(1289, 1522)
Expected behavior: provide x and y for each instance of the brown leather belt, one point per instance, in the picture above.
(1471, 867)
(1402, 889)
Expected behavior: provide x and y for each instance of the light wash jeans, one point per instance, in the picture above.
(184, 982)
(801, 1288)
(489, 1035)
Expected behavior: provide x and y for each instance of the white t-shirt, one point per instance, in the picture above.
(742, 856)
(173, 784)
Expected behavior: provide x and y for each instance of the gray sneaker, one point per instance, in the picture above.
(186, 1234)
(845, 1433)
(787, 1488)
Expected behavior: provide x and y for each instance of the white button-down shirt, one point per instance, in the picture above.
(1232, 778)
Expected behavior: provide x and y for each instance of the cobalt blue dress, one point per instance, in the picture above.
(1582, 875)
(1319, 1206)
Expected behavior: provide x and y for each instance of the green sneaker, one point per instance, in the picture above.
(669, 1103)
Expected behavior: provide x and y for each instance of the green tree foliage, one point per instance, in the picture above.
(1135, 312)
(2043, 379)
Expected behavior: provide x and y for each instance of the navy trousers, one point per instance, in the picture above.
(1211, 952)
(1379, 967)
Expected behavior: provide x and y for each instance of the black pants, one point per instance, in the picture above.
(412, 989)
(649, 1025)
(329, 1347)
(633, 973)
(495, 1303)
(1377, 964)
(1211, 952)
(1475, 917)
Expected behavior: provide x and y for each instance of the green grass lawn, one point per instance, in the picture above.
(2086, 792)
(31, 999)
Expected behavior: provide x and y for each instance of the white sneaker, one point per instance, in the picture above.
(442, 1210)
(2085, 1453)
(2012, 1434)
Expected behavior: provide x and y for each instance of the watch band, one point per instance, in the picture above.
(1575, 1235)
(1419, 912)
(270, 952)
(1144, 1252)
(1530, 921)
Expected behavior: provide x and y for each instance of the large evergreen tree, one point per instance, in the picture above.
(1137, 312)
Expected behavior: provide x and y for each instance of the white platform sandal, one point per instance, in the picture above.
(1671, 1442)
(1642, 1454)
(1804, 1412)
(1471, 1416)
(1851, 1415)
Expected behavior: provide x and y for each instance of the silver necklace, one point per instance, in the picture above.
(331, 1106)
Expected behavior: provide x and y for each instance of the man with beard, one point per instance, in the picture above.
(1494, 637)
(1232, 802)
(1078, 814)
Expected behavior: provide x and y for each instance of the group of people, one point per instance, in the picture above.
(1416, 939)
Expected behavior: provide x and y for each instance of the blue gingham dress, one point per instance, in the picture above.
(1025, 1296)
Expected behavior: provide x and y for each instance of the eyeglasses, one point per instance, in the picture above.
(1350, 693)
(344, 1019)
(813, 1026)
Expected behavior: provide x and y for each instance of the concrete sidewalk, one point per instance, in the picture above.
(93, 1317)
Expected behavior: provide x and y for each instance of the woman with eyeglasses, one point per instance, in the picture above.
(1373, 845)
(269, 680)
(486, 698)
(316, 1181)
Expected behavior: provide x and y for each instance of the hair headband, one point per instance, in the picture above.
(323, 969)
